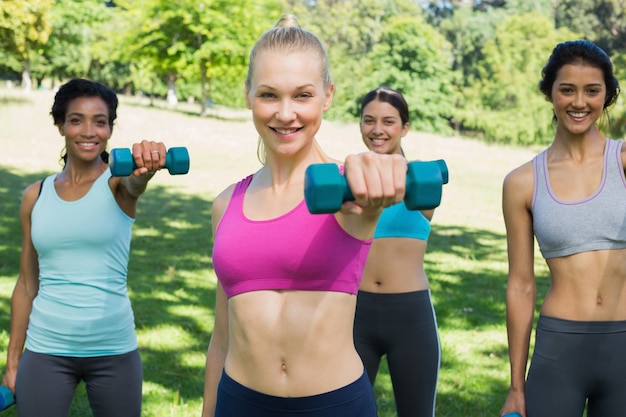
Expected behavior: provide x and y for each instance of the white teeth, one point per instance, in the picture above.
(285, 131)
(87, 144)
(577, 115)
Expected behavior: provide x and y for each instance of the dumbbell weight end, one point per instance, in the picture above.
(325, 188)
(177, 160)
(7, 398)
(424, 180)
(513, 414)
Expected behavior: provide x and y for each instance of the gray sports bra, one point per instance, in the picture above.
(597, 222)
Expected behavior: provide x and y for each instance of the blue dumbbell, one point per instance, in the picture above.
(326, 189)
(7, 398)
(122, 164)
(513, 414)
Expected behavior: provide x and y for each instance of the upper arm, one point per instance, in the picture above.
(221, 313)
(517, 195)
(127, 191)
(29, 263)
(428, 214)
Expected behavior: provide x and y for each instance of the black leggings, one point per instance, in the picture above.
(576, 363)
(404, 327)
(45, 384)
(353, 400)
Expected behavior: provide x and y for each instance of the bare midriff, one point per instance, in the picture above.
(395, 265)
(292, 343)
(588, 286)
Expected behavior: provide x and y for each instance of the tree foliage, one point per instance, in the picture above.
(504, 103)
(195, 40)
(415, 59)
(24, 29)
(75, 27)
(604, 21)
(472, 66)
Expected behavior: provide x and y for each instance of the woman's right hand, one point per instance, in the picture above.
(515, 402)
(9, 379)
(376, 181)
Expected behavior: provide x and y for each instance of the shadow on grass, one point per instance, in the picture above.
(469, 290)
(173, 295)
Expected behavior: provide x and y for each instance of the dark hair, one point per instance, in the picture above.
(391, 96)
(579, 52)
(80, 87)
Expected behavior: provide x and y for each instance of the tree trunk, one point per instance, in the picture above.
(172, 98)
(27, 83)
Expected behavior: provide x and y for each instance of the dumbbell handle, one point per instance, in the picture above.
(121, 161)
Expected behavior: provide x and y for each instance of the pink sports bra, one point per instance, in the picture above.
(295, 251)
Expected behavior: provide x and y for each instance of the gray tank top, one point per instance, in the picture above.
(597, 222)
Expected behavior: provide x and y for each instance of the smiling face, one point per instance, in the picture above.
(86, 127)
(288, 96)
(578, 96)
(381, 127)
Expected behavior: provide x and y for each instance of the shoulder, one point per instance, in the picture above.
(521, 176)
(220, 203)
(30, 196)
(518, 186)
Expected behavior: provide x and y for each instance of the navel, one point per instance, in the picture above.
(599, 301)
(283, 367)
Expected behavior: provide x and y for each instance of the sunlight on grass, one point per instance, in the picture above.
(165, 338)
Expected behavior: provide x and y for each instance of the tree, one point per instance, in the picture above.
(24, 29)
(75, 27)
(601, 21)
(415, 59)
(504, 104)
(198, 40)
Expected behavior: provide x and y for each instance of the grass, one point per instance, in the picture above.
(171, 278)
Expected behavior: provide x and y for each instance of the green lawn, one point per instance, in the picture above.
(171, 279)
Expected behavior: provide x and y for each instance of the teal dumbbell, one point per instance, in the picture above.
(122, 164)
(513, 414)
(6, 397)
(326, 189)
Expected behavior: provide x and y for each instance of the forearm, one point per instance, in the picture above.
(520, 315)
(213, 373)
(136, 185)
(21, 306)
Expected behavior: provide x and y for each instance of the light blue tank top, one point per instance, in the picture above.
(398, 221)
(82, 308)
(597, 222)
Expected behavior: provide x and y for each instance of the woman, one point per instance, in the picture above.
(572, 197)
(70, 308)
(395, 314)
(282, 342)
